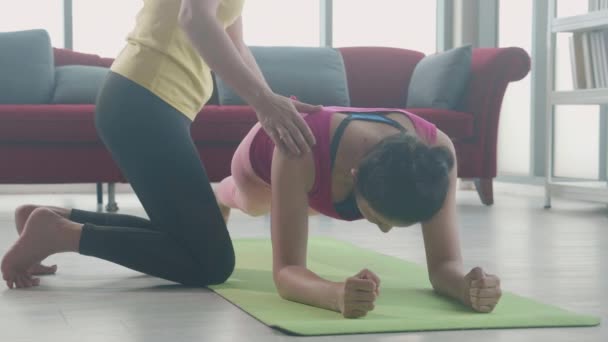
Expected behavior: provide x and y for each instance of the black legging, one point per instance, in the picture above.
(186, 239)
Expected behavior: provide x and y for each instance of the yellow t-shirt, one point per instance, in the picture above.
(160, 57)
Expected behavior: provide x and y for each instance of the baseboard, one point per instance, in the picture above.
(519, 189)
(521, 179)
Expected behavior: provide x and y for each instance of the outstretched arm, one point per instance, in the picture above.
(208, 36)
(276, 113)
(235, 32)
(476, 289)
(289, 229)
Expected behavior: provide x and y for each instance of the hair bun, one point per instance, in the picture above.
(404, 179)
(432, 163)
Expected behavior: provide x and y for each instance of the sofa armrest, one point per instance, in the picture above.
(511, 63)
(492, 70)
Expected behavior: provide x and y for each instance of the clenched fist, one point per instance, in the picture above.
(482, 290)
(359, 294)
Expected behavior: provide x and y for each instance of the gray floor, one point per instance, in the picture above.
(557, 256)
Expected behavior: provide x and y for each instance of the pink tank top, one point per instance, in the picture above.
(319, 196)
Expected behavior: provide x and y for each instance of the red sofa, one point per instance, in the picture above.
(59, 144)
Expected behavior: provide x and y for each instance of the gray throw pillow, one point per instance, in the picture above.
(313, 75)
(78, 84)
(27, 70)
(440, 80)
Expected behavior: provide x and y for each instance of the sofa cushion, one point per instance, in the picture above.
(222, 124)
(39, 124)
(440, 80)
(314, 75)
(379, 76)
(27, 72)
(78, 84)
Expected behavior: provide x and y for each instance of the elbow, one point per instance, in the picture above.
(282, 293)
(280, 284)
(242, 48)
(436, 276)
(432, 278)
(434, 281)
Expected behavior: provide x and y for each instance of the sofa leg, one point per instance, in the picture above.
(485, 190)
(112, 206)
(99, 197)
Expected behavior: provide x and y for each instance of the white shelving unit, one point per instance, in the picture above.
(586, 191)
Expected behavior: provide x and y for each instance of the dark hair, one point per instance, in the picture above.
(405, 180)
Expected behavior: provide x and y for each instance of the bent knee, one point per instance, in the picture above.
(216, 270)
(254, 206)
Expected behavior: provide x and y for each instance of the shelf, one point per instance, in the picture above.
(595, 20)
(591, 191)
(580, 96)
(592, 21)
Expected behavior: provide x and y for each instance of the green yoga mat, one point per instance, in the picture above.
(406, 301)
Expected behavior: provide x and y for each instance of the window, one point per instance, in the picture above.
(101, 27)
(282, 23)
(577, 142)
(34, 14)
(408, 24)
(514, 136)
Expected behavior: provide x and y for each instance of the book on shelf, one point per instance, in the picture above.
(577, 61)
(597, 5)
(589, 54)
(599, 35)
(589, 59)
(596, 59)
(604, 49)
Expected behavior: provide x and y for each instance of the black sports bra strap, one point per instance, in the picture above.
(370, 117)
(335, 141)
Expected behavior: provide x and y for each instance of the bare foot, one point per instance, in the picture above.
(45, 233)
(22, 213)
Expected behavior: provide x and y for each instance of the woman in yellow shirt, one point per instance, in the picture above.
(157, 85)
